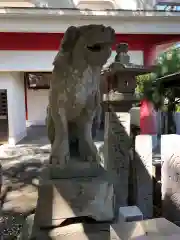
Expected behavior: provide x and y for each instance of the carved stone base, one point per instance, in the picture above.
(88, 195)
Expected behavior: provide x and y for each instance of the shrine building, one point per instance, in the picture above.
(30, 35)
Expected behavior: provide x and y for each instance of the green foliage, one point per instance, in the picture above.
(144, 83)
(178, 108)
(145, 89)
(149, 88)
(168, 62)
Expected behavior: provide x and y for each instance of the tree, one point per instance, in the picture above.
(147, 89)
(168, 62)
(151, 87)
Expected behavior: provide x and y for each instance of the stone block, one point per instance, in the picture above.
(117, 152)
(144, 174)
(158, 228)
(72, 197)
(130, 214)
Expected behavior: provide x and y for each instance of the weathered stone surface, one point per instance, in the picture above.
(75, 90)
(130, 214)
(158, 228)
(170, 176)
(77, 231)
(75, 197)
(72, 170)
(117, 152)
(144, 173)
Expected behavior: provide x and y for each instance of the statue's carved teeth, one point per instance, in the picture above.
(95, 47)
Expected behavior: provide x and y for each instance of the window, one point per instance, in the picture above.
(3, 104)
(38, 80)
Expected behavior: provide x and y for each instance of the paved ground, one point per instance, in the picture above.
(21, 167)
(35, 135)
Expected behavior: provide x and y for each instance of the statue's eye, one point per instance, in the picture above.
(94, 48)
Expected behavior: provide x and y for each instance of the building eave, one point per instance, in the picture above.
(57, 20)
(85, 13)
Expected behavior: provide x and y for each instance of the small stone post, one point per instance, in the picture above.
(117, 152)
(144, 174)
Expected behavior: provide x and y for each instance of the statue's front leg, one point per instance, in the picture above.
(87, 148)
(60, 147)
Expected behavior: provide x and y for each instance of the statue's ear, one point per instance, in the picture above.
(67, 44)
(70, 37)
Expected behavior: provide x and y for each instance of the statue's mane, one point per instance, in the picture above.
(68, 43)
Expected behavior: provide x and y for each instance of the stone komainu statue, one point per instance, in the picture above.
(74, 89)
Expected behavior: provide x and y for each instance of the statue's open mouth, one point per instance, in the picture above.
(95, 47)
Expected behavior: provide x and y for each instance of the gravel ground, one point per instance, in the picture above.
(21, 167)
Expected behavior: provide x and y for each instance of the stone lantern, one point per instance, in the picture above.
(122, 76)
(118, 100)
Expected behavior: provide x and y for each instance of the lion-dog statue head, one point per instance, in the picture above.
(89, 43)
(74, 88)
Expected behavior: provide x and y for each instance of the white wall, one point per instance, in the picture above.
(24, 61)
(116, 4)
(14, 84)
(41, 61)
(37, 101)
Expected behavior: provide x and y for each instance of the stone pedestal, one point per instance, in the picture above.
(74, 192)
(77, 194)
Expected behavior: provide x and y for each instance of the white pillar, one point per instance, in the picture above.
(14, 83)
